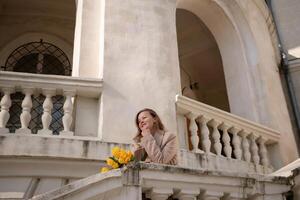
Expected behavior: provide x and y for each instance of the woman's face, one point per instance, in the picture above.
(146, 121)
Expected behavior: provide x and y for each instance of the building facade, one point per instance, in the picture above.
(74, 74)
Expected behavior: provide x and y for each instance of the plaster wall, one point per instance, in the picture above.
(140, 65)
(267, 83)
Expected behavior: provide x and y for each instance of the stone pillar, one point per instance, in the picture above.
(89, 39)
(141, 67)
(88, 61)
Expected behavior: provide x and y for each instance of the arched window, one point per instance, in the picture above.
(39, 58)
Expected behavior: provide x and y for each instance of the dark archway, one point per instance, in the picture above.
(202, 75)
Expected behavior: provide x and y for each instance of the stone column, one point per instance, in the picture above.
(88, 61)
(89, 39)
(141, 67)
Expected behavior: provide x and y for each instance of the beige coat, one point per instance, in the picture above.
(160, 148)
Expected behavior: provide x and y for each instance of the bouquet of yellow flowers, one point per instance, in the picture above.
(119, 158)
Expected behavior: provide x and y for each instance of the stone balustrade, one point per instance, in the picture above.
(161, 182)
(47, 86)
(213, 131)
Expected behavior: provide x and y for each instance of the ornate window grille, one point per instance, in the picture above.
(39, 58)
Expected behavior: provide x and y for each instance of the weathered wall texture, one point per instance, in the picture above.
(140, 65)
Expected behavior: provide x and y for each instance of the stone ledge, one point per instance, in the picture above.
(208, 172)
(92, 149)
(55, 146)
(88, 87)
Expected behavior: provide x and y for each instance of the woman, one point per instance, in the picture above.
(152, 142)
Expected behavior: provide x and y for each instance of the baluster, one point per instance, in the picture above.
(226, 140)
(245, 145)
(187, 194)
(212, 195)
(25, 117)
(254, 149)
(47, 115)
(263, 152)
(68, 110)
(233, 196)
(5, 105)
(204, 134)
(194, 132)
(216, 136)
(160, 193)
(236, 143)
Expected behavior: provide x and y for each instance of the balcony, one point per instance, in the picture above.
(213, 139)
(214, 146)
(37, 92)
(209, 138)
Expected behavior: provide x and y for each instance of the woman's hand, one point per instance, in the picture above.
(146, 131)
(136, 146)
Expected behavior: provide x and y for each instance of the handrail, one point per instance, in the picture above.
(186, 105)
(87, 87)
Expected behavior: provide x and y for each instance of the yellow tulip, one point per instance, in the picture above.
(116, 152)
(112, 163)
(104, 169)
(121, 161)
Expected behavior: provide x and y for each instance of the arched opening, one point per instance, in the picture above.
(201, 68)
(237, 51)
(51, 20)
(38, 39)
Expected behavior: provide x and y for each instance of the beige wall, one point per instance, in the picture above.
(140, 65)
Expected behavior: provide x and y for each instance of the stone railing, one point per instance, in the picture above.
(222, 134)
(48, 86)
(162, 182)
